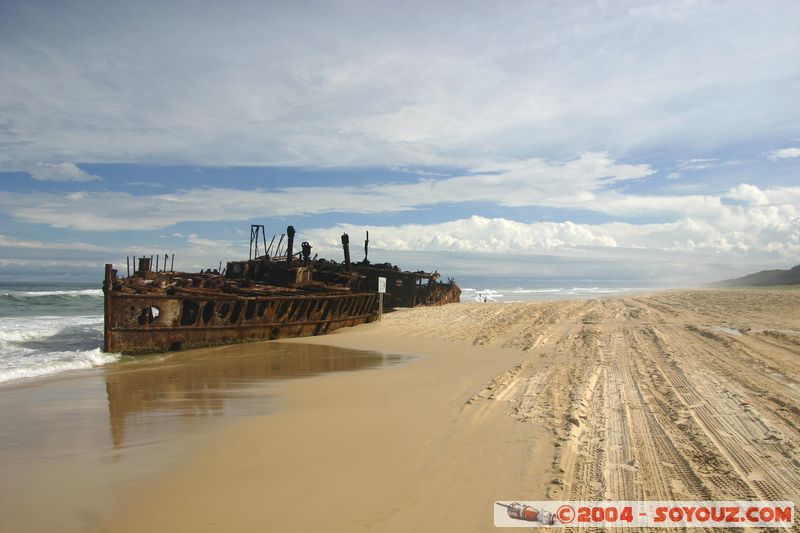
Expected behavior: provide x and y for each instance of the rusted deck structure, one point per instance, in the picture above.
(403, 288)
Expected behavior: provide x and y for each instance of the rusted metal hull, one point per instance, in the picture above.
(150, 323)
(442, 294)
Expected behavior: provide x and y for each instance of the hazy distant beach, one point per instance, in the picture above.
(441, 411)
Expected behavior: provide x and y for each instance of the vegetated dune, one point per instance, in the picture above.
(765, 278)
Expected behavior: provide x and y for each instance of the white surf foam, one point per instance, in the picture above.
(54, 363)
(38, 346)
(36, 294)
(542, 293)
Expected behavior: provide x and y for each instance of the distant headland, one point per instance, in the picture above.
(764, 278)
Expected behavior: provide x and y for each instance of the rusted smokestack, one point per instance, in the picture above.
(144, 264)
(306, 248)
(290, 244)
(346, 246)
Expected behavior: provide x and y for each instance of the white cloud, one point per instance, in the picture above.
(578, 183)
(60, 172)
(509, 95)
(474, 234)
(762, 231)
(748, 193)
(759, 231)
(13, 242)
(697, 164)
(222, 249)
(669, 206)
(36, 264)
(784, 153)
(528, 80)
(766, 227)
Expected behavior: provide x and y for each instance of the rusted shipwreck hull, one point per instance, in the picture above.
(266, 297)
(156, 312)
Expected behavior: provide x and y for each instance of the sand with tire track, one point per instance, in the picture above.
(679, 395)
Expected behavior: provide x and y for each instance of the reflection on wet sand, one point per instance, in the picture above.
(71, 446)
(198, 383)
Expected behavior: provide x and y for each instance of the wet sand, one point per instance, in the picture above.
(678, 395)
(75, 446)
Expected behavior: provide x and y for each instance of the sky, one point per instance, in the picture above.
(639, 143)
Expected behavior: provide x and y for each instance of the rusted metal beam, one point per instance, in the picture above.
(108, 283)
(289, 243)
(346, 247)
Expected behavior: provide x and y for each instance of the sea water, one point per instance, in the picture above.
(499, 293)
(48, 328)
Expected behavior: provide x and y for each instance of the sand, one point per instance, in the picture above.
(684, 395)
(363, 451)
(678, 395)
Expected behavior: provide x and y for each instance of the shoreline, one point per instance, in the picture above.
(602, 399)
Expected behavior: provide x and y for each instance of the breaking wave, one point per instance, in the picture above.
(32, 302)
(39, 346)
(40, 294)
(542, 293)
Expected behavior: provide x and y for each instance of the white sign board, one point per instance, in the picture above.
(381, 285)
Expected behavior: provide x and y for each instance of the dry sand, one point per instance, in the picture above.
(679, 395)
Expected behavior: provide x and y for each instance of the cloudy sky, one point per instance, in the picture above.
(652, 143)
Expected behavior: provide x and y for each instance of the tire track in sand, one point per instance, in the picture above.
(649, 397)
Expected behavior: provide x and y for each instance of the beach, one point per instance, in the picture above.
(677, 395)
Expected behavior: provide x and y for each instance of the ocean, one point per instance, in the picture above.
(50, 328)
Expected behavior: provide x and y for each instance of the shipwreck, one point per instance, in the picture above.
(271, 295)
